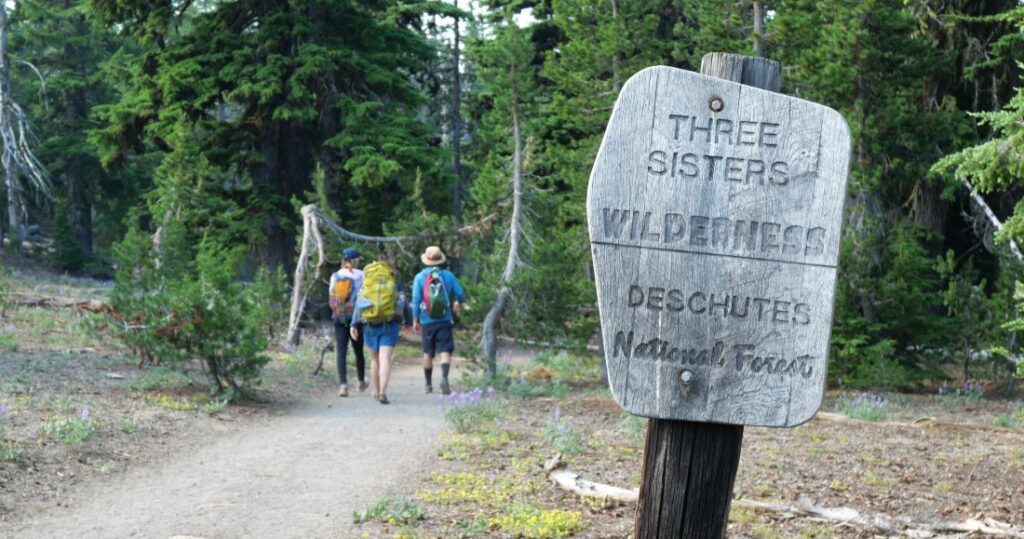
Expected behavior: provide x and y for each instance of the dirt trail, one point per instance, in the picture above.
(301, 474)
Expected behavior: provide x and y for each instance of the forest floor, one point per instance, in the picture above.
(93, 446)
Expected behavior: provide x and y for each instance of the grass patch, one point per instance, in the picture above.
(873, 480)
(742, 516)
(127, 426)
(865, 407)
(561, 436)
(178, 404)
(633, 427)
(535, 523)
(1005, 420)
(943, 487)
(8, 343)
(159, 378)
(818, 531)
(462, 447)
(69, 431)
(472, 411)
(475, 487)
(10, 451)
(390, 509)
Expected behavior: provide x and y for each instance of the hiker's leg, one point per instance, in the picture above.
(427, 335)
(445, 345)
(357, 347)
(341, 348)
(388, 341)
(428, 370)
(375, 372)
(385, 367)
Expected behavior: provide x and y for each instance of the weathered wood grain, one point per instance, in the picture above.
(714, 214)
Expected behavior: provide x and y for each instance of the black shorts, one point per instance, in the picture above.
(438, 338)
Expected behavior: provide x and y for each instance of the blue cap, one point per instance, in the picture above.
(350, 253)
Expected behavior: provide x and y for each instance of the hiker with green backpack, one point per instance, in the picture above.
(378, 312)
(436, 295)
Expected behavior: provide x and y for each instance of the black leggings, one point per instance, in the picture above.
(341, 338)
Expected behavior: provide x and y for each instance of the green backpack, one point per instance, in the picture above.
(380, 290)
(435, 295)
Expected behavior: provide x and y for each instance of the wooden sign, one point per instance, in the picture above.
(714, 213)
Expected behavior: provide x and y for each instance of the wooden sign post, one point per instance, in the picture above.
(714, 212)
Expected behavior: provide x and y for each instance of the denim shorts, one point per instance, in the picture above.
(378, 335)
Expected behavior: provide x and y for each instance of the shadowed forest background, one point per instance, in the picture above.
(179, 139)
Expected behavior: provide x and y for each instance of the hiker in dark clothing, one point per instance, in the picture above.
(344, 289)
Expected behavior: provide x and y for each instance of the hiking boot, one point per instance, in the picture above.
(362, 386)
(429, 388)
(445, 390)
(384, 399)
(343, 390)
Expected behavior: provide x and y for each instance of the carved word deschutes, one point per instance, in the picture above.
(719, 305)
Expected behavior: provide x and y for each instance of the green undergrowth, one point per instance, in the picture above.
(549, 374)
(390, 509)
(69, 431)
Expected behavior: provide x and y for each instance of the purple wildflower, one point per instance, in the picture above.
(85, 413)
(557, 413)
(3, 409)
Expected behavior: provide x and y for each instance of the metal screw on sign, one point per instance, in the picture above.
(685, 378)
(716, 104)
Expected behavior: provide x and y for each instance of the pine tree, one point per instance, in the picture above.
(276, 89)
(68, 49)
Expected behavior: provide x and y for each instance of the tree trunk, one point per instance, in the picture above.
(617, 55)
(489, 331)
(759, 30)
(15, 207)
(457, 126)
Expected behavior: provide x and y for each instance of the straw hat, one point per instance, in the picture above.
(433, 256)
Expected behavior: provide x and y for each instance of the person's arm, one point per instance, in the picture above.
(357, 318)
(457, 291)
(417, 298)
(332, 299)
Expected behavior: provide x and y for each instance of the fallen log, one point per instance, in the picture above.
(557, 471)
(565, 478)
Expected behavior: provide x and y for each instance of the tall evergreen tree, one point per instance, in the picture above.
(69, 49)
(274, 90)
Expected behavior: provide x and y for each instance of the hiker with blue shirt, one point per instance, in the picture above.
(378, 312)
(436, 294)
(344, 289)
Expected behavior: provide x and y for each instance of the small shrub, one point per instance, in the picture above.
(192, 305)
(127, 426)
(534, 523)
(562, 437)
(866, 407)
(1005, 420)
(391, 510)
(215, 406)
(8, 342)
(468, 411)
(9, 451)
